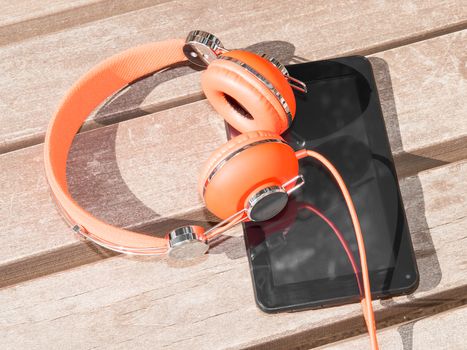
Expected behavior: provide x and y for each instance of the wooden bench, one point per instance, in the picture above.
(135, 165)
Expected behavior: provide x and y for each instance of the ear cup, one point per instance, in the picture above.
(243, 165)
(242, 99)
(231, 146)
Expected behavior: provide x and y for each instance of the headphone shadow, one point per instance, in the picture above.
(93, 175)
(425, 252)
(96, 187)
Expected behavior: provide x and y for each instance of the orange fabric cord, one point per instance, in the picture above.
(366, 298)
(87, 94)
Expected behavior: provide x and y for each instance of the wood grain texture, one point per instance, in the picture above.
(23, 10)
(123, 302)
(105, 179)
(142, 173)
(21, 20)
(441, 331)
(407, 79)
(37, 72)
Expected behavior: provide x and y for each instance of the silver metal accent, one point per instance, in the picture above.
(261, 78)
(299, 182)
(201, 47)
(187, 242)
(272, 208)
(226, 221)
(233, 154)
(297, 84)
(294, 83)
(275, 62)
(253, 200)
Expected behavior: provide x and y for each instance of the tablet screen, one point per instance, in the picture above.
(303, 257)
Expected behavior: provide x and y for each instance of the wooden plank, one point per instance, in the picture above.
(106, 160)
(442, 331)
(27, 209)
(37, 72)
(23, 10)
(128, 302)
(21, 20)
(413, 115)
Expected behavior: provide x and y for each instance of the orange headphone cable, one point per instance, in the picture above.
(341, 239)
(366, 298)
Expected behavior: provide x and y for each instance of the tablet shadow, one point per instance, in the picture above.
(411, 188)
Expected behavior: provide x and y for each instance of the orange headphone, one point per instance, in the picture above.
(248, 178)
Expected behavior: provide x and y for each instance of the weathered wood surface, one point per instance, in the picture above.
(38, 71)
(23, 10)
(125, 302)
(144, 171)
(422, 89)
(442, 331)
(105, 181)
(23, 19)
(130, 173)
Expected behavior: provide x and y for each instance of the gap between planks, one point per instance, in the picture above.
(68, 18)
(82, 253)
(195, 97)
(456, 27)
(439, 329)
(78, 254)
(439, 188)
(387, 43)
(351, 327)
(407, 164)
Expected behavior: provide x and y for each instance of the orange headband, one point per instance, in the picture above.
(86, 94)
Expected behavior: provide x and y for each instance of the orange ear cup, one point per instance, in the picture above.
(242, 166)
(242, 99)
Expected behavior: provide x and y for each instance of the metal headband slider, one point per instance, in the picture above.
(187, 242)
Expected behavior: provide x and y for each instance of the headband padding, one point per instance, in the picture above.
(268, 162)
(85, 95)
(226, 80)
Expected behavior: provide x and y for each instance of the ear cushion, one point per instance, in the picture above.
(232, 90)
(252, 167)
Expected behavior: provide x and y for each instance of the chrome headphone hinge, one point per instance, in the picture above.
(298, 181)
(294, 83)
(201, 48)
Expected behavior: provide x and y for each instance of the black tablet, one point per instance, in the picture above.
(306, 257)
